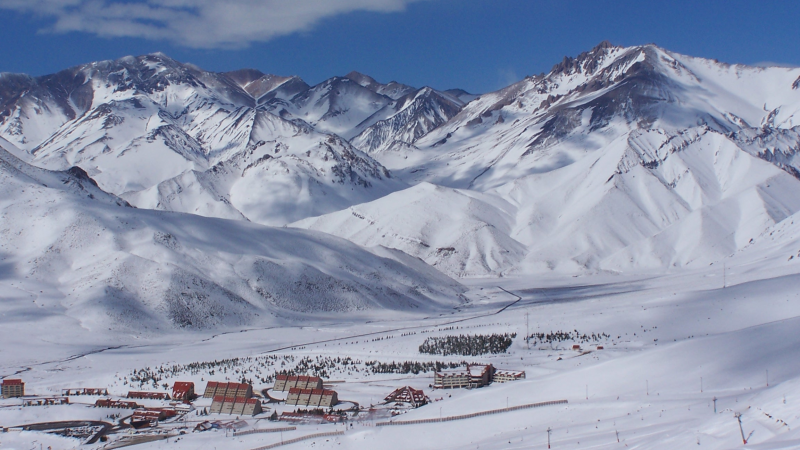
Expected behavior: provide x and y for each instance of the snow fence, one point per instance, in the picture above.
(301, 438)
(470, 416)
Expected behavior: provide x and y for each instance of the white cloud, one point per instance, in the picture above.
(194, 23)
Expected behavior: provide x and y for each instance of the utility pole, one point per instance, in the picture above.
(738, 416)
(701, 385)
(647, 384)
(549, 430)
(527, 332)
(724, 275)
(617, 433)
(715, 404)
(767, 377)
(587, 392)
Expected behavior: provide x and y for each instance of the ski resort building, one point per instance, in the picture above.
(45, 401)
(473, 376)
(504, 376)
(413, 397)
(240, 406)
(183, 391)
(84, 391)
(148, 395)
(119, 404)
(150, 418)
(235, 390)
(322, 398)
(12, 388)
(285, 382)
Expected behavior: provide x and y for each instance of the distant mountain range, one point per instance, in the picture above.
(620, 159)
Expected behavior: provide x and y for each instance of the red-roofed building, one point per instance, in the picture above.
(148, 395)
(413, 397)
(504, 376)
(146, 418)
(12, 388)
(120, 404)
(183, 391)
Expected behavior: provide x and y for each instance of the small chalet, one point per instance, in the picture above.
(504, 376)
(183, 391)
(409, 395)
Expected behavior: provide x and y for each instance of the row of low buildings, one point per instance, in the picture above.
(284, 383)
(315, 398)
(241, 406)
(218, 389)
(474, 376)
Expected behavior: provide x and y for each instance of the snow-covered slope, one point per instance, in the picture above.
(406, 120)
(620, 159)
(167, 135)
(105, 264)
(462, 233)
(548, 121)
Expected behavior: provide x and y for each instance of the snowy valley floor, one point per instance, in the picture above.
(665, 334)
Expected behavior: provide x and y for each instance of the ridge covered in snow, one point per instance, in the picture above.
(619, 159)
(622, 158)
(105, 264)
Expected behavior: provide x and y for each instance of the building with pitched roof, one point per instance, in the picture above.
(183, 391)
(409, 395)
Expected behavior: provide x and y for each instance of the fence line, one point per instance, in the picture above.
(263, 430)
(301, 438)
(469, 416)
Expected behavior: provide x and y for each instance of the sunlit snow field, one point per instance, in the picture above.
(666, 333)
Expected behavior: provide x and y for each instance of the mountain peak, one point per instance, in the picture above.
(586, 62)
(360, 78)
(245, 75)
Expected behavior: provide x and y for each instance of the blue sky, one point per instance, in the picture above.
(478, 45)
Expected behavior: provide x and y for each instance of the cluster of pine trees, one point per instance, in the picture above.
(566, 336)
(414, 367)
(322, 366)
(465, 345)
(240, 369)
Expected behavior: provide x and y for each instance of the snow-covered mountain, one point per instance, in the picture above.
(170, 136)
(619, 159)
(106, 264)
